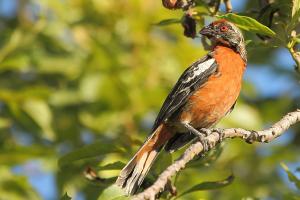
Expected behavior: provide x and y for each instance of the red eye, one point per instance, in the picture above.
(224, 28)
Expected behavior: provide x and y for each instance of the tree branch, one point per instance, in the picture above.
(216, 136)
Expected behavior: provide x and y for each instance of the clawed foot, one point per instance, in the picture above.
(205, 143)
(205, 131)
(203, 140)
(221, 133)
(201, 135)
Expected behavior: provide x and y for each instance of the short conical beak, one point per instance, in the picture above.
(207, 31)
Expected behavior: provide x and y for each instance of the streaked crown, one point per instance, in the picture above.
(223, 32)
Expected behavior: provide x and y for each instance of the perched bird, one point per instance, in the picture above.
(205, 92)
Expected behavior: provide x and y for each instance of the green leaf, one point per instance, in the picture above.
(297, 40)
(15, 187)
(209, 185)
(113, 193)
(296, 7)
(65, 197)
(100, 122)
(88, 151)
(40, 112)
(112, 166)
(15, 39)
(291, 176)
(168, 22)
(65, 98)
(248, 24)
(89, 87)
(17, 63)
(209, 158)
(5, 123)
(295, 15)
(162, 162)
(16, 155)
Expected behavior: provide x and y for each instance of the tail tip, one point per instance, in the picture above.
(120, 182)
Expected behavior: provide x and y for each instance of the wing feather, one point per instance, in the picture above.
(191, 79)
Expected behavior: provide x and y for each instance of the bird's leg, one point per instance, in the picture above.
(205, 131)
(201, 136)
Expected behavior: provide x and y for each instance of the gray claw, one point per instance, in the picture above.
(221, 133)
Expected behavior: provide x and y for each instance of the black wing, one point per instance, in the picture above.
(191, 79)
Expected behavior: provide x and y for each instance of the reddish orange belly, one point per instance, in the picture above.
(216, 97)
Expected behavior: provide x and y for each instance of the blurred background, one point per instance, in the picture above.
(81, 82)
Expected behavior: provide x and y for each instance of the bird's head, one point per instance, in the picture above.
(222, 32)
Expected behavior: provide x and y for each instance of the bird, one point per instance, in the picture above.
(206, 91)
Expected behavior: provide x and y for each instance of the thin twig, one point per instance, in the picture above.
(296, 57)
(215, 137)
(292, 49)
(228, 6)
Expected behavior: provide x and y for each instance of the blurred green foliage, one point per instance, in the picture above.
(82, 80)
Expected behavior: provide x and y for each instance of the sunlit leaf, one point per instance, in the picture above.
(65, 197)
(11, 45)
(112, 166)
(18, 62)
(40, 112)
(67, 66)
(15, 187)
(295, 17)
(88, 151)
(20, 154)
(209, 185)
(89, 87)
(100, 122)
(297, 40)
(168, 22)
(248, 24)
(4, 123)
(65, 98)
(113, 193)
(291, 176)
(296, 7)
